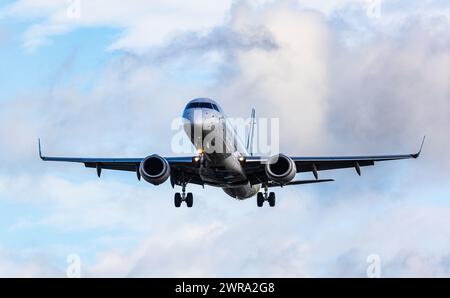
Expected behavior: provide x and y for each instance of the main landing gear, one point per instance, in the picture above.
(266, 196)
(183, 197)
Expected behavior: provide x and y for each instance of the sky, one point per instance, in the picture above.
(106, 78)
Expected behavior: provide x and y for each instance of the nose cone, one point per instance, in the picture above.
(201, 117)
(193, 123)
(192, 117)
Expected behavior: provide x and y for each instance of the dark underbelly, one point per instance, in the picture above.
(219, 176)
(242, 192)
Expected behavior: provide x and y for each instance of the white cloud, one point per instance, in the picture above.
(319, 239)
(145, 23)
(291, 81)
(149, 23)
(13, 264)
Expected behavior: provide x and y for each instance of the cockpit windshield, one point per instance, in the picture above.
(205, 105)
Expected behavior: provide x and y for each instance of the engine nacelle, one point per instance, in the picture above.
(154, 169)
(281, 169)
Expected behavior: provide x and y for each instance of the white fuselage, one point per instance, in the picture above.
(219, 146)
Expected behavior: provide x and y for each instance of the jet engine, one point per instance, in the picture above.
(281, 169)
(155, 169)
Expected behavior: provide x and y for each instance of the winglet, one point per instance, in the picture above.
(40, 151)
(420, 150)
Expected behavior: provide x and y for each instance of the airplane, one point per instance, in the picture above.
(237, 171)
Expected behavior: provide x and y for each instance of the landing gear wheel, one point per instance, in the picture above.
(260, 199)
(189, 199)
(177, 199)
(271, 199)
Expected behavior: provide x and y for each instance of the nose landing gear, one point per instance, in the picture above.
(184, 197)
(266, 196)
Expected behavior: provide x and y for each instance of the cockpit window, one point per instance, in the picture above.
(205, 105)
(192, 105)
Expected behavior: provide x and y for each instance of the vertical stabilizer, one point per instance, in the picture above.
(251, 133)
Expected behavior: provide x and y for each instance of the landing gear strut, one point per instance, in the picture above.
(266, 196)
(183, 197)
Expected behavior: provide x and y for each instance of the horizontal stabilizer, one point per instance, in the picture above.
(298, 182)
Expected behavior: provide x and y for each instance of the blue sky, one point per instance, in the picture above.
(110, 82)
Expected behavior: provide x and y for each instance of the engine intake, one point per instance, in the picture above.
(155, 169)
(281, 169)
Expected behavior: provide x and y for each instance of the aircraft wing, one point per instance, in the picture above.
(177, 164)
(255, 166)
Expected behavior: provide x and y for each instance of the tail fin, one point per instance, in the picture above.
(251, 132)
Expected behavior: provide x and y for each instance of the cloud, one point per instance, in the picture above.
(291, 78)
(235, 245)
(393, 86)
(51, 18)
(13, 264)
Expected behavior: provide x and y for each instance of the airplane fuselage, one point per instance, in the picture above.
(216, 140)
